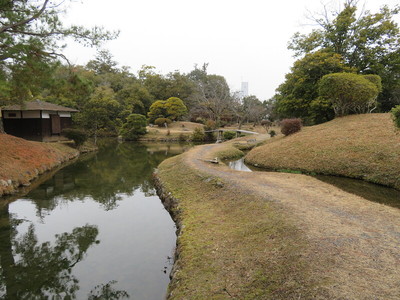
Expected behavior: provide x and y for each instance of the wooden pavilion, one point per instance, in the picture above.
(37, 120)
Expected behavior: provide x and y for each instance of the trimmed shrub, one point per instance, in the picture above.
(157, 110)
(272, 133)
(79, 136)
(175, 108)
(198, 135)
(290, 126)
(134, 127)
(396, 115)
(350, 92)
(228, 135)
(160, 122)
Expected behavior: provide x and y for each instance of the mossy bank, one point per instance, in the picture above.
(23, 161)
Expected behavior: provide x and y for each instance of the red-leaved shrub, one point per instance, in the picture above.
(290, 126)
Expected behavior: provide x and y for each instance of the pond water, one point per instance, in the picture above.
(95, 230)
(366, 190)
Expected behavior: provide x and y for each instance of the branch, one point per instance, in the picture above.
(26, 21)
(55, 54)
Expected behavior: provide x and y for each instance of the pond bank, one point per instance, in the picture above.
(23, 161)
(274, 235)
(364, 147)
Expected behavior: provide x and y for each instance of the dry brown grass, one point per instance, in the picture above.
(277, 236)
(233, 244)
(358, 146)
(22, 160)
(172, 133)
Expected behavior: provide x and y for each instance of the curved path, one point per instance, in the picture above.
(354, 244)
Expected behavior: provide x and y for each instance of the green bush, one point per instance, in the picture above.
(175, 108)
(272, 133)
(157, 110)
(396, 115)
(198, 135)
(375, 79)
(290, 126)
(79, 136)
(350, 93)
(134, 127)
(160, 122)
(228, 135)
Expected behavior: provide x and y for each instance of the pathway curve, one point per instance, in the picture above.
(354, 243)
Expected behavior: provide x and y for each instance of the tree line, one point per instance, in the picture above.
(345, 41)
(32, 66)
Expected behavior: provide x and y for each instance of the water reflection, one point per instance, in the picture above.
(239, 165)
(369, 191)
(49, 250)
(42, 269)
(118, 168)
(366, 190)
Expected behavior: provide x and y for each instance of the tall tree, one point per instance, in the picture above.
(30, 31)
(368, 42)
(297, 97)
(212, 92)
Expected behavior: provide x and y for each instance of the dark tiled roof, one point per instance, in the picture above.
(39, 105)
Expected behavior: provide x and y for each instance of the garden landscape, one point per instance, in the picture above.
(121, 184)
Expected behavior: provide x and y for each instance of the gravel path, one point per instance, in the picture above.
(354, 244)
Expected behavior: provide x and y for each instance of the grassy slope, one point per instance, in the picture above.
(358, 146)
(22, 160)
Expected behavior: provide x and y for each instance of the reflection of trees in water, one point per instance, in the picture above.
(116, 169)
(33, 270)
(107, 292)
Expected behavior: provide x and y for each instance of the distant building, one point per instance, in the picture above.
(37, 120)
(244, 91)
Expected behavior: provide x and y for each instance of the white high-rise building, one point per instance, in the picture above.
(244, 91)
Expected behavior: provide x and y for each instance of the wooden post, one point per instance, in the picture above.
(1, 123)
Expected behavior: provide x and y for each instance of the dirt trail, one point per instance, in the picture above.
(354, 243)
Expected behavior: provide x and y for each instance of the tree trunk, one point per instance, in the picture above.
(240, 124)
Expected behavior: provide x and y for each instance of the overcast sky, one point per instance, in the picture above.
(241, 40)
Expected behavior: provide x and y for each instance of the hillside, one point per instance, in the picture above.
(22, 161)
(358, 146)
(174, 132)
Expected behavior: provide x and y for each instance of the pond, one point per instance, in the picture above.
(366, 190)
(95, 230)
